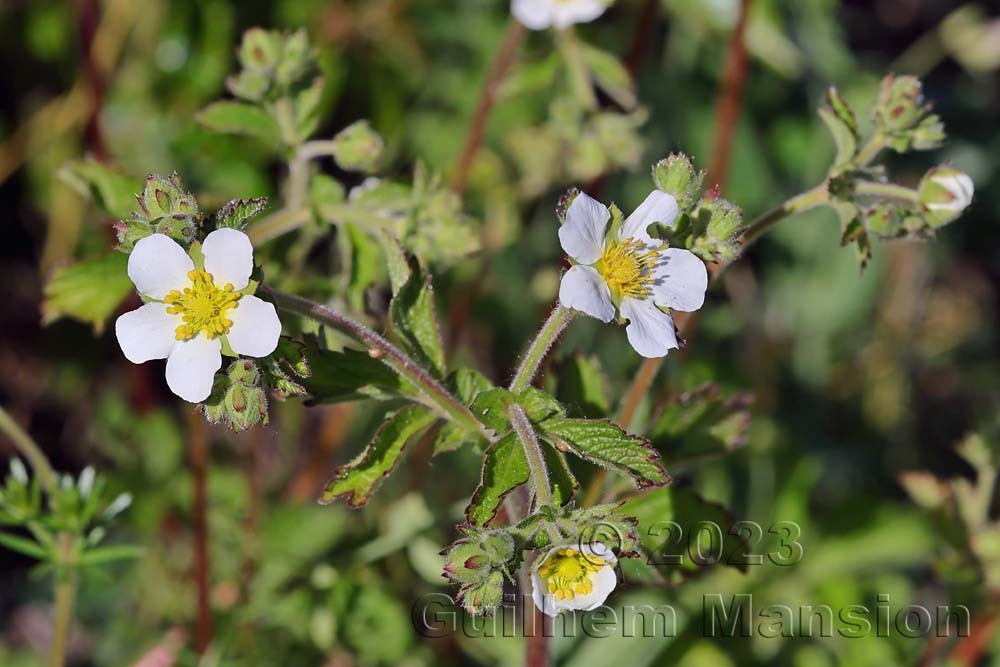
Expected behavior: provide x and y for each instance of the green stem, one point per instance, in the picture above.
(802, 202)
(536, 463)
(437, 396)
(576, 65)
(277, 224)
(31, 451)
(65, 599)
(870, 150)
(547, 335)
(533, 452)
(890, 190)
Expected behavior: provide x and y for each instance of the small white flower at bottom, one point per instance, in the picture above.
(629, 271)
(576, 577)
(190, 311)
(958, 185)
(560, 14)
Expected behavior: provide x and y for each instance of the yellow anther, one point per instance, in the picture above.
(203, 306)
(628, 268)
(569, 572)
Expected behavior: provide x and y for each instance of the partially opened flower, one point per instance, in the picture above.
(946, 192)
(194, 312)
(619, 268)
(573, 577)
(543, 14)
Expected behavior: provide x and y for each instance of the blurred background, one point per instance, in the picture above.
(870, 389)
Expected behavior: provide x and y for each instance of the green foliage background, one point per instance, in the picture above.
(857, 378)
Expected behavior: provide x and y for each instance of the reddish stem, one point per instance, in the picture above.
(727, 108)
(536, 651)
(198, 457)
(477, 127)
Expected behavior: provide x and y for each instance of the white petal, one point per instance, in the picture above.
(255, 329)
(147, 333)
(577, 11)
(650, 330)
(533, 14)
(582, 235)
(604, 582)
(657, 207)
(158, 265)
(228, 257)
(544, 602)
(191, 367)
(583, 289)
(679, 280)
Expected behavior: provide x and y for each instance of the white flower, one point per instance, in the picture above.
(628, 270)
(542, 14)
(573, 577)
(191, 310)
(958, 191)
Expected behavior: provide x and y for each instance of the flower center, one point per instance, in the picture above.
(568, 573)
(627, 268)
(202, 306)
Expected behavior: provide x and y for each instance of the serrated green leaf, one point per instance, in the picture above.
(539, 405)
(414, 320)
(359, 479)
(23, 545)
(701, 423)
(466, 384)
(583, 387)
(236, 213)
(604, 443)
(611, 76)
(89, 291)
(113, 192)
(504, 469)
(491, 406)
(240, 118)
(348, 375)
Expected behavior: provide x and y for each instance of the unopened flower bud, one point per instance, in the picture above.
(358, 147)
(260, 49)
(485, 597)
(467, 563)
(676, 175)
(945, 192)
(902, 115)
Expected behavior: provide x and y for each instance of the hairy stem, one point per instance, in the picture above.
(480, 118)
(30, 449)
(540, 346)
(533, 452)
(435, 394)
(890, 190)
(870, 150)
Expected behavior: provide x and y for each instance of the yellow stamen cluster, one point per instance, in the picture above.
(569, 572)
(627, 268)
(202, 306)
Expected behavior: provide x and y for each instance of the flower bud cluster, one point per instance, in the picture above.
(165, 207)
(272, 63)
(479, 564)
(709, 225)
(238, 399)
